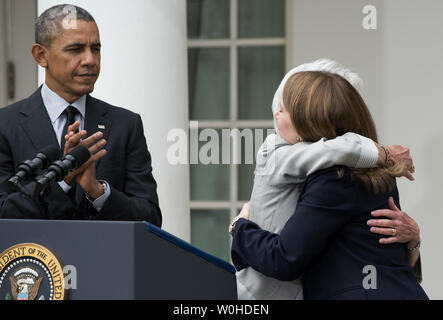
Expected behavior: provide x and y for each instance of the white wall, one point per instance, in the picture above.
(144, 69)
(413, 54)
(401, 63)
(333, 29)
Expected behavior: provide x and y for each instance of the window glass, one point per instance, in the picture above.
(210, 177)
(208, 19)
(261, 18)
(209, 232)
(260, 71)
(209, 83)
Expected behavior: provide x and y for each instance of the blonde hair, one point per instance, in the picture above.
(325, 105)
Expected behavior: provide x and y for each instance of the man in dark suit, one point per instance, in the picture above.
(116, 183)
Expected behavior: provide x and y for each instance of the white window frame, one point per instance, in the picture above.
(233, 43)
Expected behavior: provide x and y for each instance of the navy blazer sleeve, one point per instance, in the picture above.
(321, 211)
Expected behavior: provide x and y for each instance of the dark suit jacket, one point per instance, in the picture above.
(328, 242)
(25, 129)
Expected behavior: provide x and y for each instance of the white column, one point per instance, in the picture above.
(144, 69)
(21, 19)
(16, 38)
(3, 96)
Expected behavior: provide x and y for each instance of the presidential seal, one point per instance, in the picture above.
(30, 272)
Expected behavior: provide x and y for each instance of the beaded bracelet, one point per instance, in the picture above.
(416, 247)
(388, 154)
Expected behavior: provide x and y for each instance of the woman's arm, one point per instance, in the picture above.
(406, 231)
(351, 150)
(396, 154)
(319, 214)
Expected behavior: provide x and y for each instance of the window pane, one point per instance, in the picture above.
(261, 70)
(208, 19)
(246, 169)
(210, 177)
(209, 84)
(246, 181)
(261, 18)
(209, 232)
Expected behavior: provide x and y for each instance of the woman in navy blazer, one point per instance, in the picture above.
(327, 240)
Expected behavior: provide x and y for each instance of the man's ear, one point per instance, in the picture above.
(39, 53)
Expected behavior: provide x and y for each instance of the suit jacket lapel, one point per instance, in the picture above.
(38, 127)
(96, 118)
(36, 122)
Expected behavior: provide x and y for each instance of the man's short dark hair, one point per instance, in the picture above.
(50, 22)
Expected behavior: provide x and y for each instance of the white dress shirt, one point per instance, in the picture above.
(55, 106)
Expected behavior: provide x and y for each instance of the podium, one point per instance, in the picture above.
(121, 260)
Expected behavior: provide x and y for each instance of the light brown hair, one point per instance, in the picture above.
(325, 105)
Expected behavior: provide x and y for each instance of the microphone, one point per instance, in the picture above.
(58, 170)
(28, 169)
